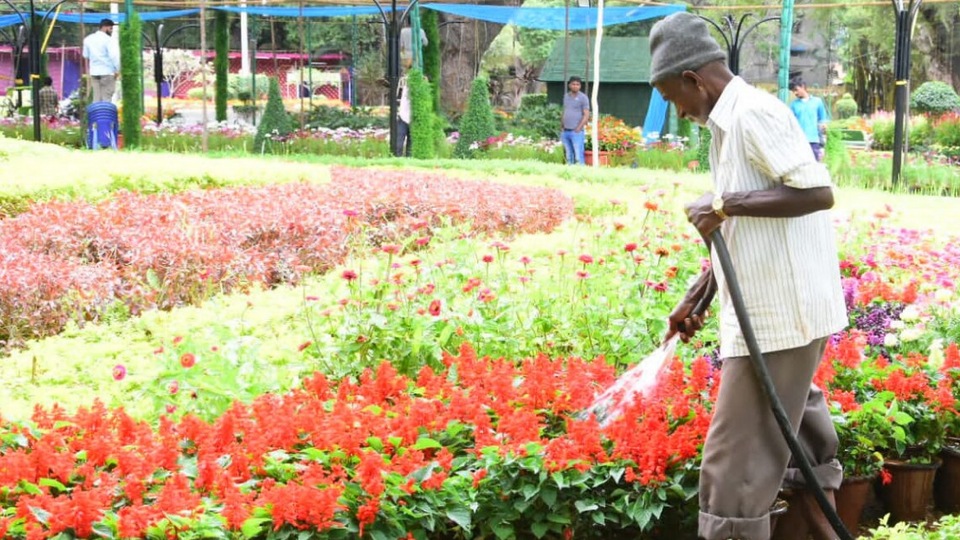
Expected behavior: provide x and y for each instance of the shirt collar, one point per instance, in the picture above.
(722, 114)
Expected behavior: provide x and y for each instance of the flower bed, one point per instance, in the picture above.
(485, 447)
(73, 260)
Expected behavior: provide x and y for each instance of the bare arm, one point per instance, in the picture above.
(781, 201)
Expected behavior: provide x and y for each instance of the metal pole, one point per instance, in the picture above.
(901, 66)
(204, 143)
(158, 70)
(786, 35)
(35, 71)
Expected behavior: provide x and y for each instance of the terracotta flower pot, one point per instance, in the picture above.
(603, 157)
(851, 498)
(946, 488)
(910, 490)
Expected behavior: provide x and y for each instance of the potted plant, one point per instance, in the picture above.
(615, 137)
(859, 427)
(947, 483)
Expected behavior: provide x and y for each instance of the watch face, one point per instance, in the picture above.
(718, 204)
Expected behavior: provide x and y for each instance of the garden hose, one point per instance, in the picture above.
(766, 384)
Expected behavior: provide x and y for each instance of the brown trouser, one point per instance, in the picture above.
(102, 87)
(745, 458)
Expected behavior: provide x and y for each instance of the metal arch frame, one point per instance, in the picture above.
(734, 39)
(393, 25)
(34, 43)
(158, 42)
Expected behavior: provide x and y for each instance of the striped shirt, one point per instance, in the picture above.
(787, 267)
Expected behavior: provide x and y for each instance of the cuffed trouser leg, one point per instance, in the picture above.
(818, 438)
(745, 456)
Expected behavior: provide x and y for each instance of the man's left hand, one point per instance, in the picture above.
(701, 214)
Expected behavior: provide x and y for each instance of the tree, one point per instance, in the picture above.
(275, 126)
(131, 86)
(422, 123)
(431, 54)
(477, 124)
(179, 66)
(221, 41)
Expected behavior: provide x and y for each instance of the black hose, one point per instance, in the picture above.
(766, 384)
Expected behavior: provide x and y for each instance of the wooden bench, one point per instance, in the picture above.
(856, 139)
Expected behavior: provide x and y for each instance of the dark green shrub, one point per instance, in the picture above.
(934, 97)
(221, 41)
(536, 121)
(835, 155)
(533, 101)
(130, 81)
(422, 126)
(684, 129)
(477, 124)
(921, 132)
(846, 107)
(703, 150)
(432, 54)
(946, 132)
(335, 118)
(883, 134)
(275, 126)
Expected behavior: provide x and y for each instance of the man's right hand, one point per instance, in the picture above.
(683, 321)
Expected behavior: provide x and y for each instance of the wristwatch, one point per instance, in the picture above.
(718, 206)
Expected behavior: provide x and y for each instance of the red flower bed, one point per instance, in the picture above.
(70, 260)
(485, 445)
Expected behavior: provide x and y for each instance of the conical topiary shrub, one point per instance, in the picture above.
(477, 124)
(275, 126)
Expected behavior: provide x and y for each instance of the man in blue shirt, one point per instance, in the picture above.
(812, 116)
(103, 57)
(576, 114)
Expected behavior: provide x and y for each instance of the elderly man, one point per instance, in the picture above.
(769, 201)
(103, 61)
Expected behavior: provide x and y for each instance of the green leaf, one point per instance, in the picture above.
(103, 530)
(152, 279)
(461, 516)
(252, 526)
(548, 494)
(29, 488)
(599, 518)
(503, 530)
(50, 482)
(375, 443)
(540, 528)
(585, 506)
(42, 515)
(424, 443)
(559, 479)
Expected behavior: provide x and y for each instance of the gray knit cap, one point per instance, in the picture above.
(681, 42)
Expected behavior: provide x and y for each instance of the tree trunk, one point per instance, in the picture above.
(463, 45)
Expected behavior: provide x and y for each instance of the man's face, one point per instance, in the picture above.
(800, 92)
(574, 86)
(107, 29)
(690, 101)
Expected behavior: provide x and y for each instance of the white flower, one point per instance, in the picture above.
(935, 358)
(910, 334)
(890, 340)
(898, 325)
(910, 314)
(943, 295)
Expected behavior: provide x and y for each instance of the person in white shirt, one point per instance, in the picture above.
(770, 200)
(403, 118)
(103, 61)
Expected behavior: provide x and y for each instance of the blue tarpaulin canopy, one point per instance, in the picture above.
(90, 17)
(544, 18)
(326, 11)
(555, 18)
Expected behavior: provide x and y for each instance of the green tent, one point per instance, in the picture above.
(624, 74)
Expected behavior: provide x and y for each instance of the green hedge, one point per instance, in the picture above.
(422, 121)
(477, 124)
(132, 86)
(432, 54)
(275, 124)
(221, 41)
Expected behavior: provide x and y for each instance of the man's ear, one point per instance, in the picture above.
(692, 77)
